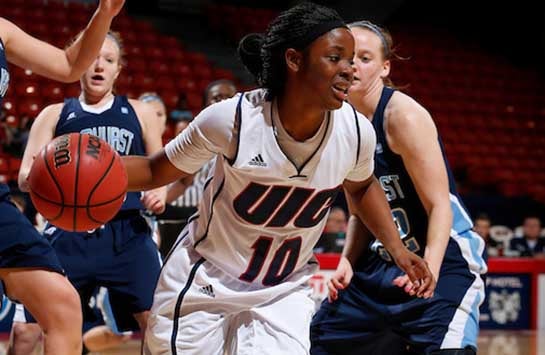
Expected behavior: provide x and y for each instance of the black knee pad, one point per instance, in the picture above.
(466, 351)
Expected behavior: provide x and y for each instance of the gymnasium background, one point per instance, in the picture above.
(477, 66)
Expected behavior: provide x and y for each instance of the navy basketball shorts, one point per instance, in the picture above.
(120, 256)
(21, 246)
(372, 309)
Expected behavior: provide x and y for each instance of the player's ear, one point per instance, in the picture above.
(119, 67)
(293, 59)
(385, 69)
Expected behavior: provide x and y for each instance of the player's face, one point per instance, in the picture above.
(161, 113)
(532, 228)
(99, 79)
(369, 64)
(482, 227)
(327, 68)
(219, 93)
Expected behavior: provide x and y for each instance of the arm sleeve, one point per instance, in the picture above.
(366, 161)
(212, 132)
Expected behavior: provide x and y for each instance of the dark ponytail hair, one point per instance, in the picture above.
(249, 51)
(297, 27)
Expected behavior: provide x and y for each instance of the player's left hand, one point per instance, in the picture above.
(111, 7)
(153, 201)
(418, 280)
(340, 279)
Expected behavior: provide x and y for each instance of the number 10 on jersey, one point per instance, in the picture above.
(282, 264)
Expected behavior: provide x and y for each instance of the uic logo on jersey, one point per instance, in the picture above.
(4, 81)
(278, 205)
(504, 306)
(258, 161)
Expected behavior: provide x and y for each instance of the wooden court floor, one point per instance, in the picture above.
(490, 343)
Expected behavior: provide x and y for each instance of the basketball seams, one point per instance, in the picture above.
(44, 155)
(78, 215)
(76, 180)
(79, 206)
(87, 209)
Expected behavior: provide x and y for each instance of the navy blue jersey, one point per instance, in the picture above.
(407, 209)
(4, 81)
(118, 125)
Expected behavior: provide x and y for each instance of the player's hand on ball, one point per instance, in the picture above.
(111, 7)
(419, 279)
(340, 279)
(153, 201)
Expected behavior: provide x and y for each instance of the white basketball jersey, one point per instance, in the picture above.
(260, 216)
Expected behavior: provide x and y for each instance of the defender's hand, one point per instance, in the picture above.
(422, 282)
(340, 279)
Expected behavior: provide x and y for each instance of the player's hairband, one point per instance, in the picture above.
(114, 38)
(376, 30)
(316, 32)
(150, 98)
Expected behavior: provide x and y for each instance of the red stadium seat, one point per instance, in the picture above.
(4, 164)
(186, 85)
(194, 101)
(223, 74)
(9, 106)
(72, 90)
(30, 107)
(158, 67)
(170, 98)
(53, 92)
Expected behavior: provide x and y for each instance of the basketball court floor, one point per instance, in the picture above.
(490, 343)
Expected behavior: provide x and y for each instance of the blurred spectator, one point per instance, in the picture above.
(482, 227)
(218, 90)
(531, 243)
(181, 114)
(332, 239)
(155, 101)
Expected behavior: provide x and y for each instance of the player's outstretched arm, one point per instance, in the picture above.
(146, 173)
(41, 133)
(64, 65)
(412, 134)
(369, 203)
(154, 200)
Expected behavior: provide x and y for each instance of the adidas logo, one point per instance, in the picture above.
(71, 115)
(207, 290)
(379, 149)
(124, 110)
(50, 230)
(257, 161)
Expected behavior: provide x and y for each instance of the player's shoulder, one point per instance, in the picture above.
(137, 105)
(405, 110)
(347, 116)
(6, 27)
(52, 110)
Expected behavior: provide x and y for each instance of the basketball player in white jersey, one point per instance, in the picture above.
(236, 281)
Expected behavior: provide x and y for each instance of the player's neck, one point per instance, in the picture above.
(299, 118)
(369, 102)
(95, 100)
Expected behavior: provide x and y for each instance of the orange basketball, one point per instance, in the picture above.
(78, 182)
